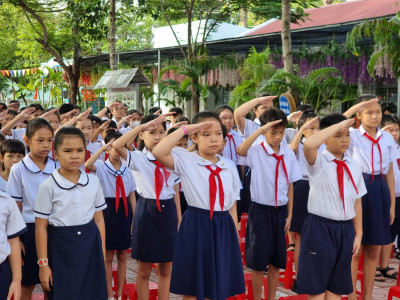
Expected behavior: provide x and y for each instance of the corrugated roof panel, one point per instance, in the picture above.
(121, 79)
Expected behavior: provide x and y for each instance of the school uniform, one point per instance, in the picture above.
(271, 175)
(207, 261)
(23, 183)
(91, 148)
(328, 234)
(155, 222)
(395, 227)
(376, 203)
(11, 226)
(3, 184)
(233, 141)
(74, 242)
(117, 186)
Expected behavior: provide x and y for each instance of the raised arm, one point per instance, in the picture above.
(102, 113)
(359, 107)
(96, 133)
(298, 137)
(90, 162)
(22, 116)
(80, 117)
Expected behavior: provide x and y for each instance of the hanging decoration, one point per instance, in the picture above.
(19, 73)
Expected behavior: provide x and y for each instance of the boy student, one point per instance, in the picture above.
(333, 229)
(274, 169)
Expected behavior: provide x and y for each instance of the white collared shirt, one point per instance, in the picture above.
(23, 183)
(64, 203)
(230, 147)
(250, 127)
(361, 147)
(396, 170)
(107, 175)
(302, 160)
(324, 198)
(191, 169)
(3, 184)
(141, 162)
(263, 167)
(11, 224)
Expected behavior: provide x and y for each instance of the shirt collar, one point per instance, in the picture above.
(112, 170)
(271, 151)
(222, 163)
(378, 131)
(31, 166)
(330, 157)
(148, 154)
(68, 185)
(257, 121)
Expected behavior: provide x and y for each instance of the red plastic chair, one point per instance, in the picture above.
(287, 276)
(37, 297)
(129, 291)
(296, 297)
(243, 224)
(395, 290)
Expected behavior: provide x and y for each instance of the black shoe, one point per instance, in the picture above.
(294, 286)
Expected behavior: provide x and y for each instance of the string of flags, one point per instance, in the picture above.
(19, 73)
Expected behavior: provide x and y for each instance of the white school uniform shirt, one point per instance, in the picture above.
(250, 127)
(107, 175)
(230, 145)
(116, 122)
(324, 198)
(11, 224)
(396, 169)
(141, 162)
(192, 171)
(65, 203)
(23, 183)
(360, 150)
(263, 167)
(302, 160)
(3, 184)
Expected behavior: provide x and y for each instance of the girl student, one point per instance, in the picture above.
(119, 190)
(374, 150)
(157, 212)
(207, 261)
(70, 234)
(23, 183)
(12, 152)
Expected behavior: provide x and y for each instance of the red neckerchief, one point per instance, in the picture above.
(213, 189)
(230, 140)
(374, 141)
(87, 156)
(341, 166)
(159, 180)
(279, 159)
(120, 189)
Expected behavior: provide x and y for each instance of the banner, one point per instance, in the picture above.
(19, 73)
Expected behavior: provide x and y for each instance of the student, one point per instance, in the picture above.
(9, 115)
(207, 261)
(23, 183)
(333, 229)
(274, 169)
(12, 152)
(118, 113)
(177, 112)
(374, 150)
(157, 213)
(70, 234)
(119, 190)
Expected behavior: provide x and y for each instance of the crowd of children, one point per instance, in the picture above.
(78, 188)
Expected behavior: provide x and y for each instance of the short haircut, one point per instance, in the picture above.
(112, 134)
(12, 146)
(366, 97)
(35, 125)
(261, 95)
(176, 110)
(389, 119)
(272, 115)
(12, 112)
(308, 114)
(65, 132)
(14, 101)
(182, 119)
(55, 112)
(66, 107)
(221, 108)
(132, 111)
(153, 110)
(145, 120)
(204, 115)
(37, 106)
(305, 107)
(331, 119)
(95, 119)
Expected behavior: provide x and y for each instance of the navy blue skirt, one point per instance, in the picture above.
(184, 205)
(300, 201)
(30, 268)
(5, 279)
(207, 261)
(77, 262)
(376, 211)
(395, 227)
(154, 233)
(245, 194)
(118, 225)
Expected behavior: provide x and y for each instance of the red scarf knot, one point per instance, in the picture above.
(159, 180)
(230, 140)
(213, 189)
(120, 190)
(87, 156)
(279, 159)
(106, 156)
(374, 141)
(341, 166)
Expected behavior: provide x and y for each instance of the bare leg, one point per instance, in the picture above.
(26, 292)
(109, 260)
(354, 272)
(385, 258)
(292, 239)
(164, 280)
(142, 280)
(273, 279)
(331, 296)
(257, 279)
(371, 259)
(121, 257)
(297, 252)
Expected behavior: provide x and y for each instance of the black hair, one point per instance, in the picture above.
(55, 112)
(261, 95)
(153, 110)
(111, 125)
(89, 118)
(145, 120)
(112, 134)
(96, 119)
(66, 107)
(3, 105)
(272, 115)
(176, 110)
(221, 108)
(206, 115)
(173, 129)
(77, 107)
(305, 107)
(12, 146)
(182, 119)
(68, 131)
(12, 112)
(36, 124)
(132, 111)
(224, 131)
(366, 97)
(308, 114)
(331, 119)
(37, 106)
(388, 120)
(2, 137)
(14, 101)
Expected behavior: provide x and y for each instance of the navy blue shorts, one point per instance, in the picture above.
(154, 233)
(5, 279)
(265, 237)
(376, 212)
(30, 269)
(118, 225)
(301, 189)
(395, 227)
(207, 261)
(326, 251)
(245, 193)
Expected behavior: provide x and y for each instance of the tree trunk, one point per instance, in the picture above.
(243, 18)
(74, 75)
(286, 39)
(195, 100)
(113, 60)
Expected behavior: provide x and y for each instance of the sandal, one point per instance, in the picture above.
(379, 275)
(390, 276)
(290, 247)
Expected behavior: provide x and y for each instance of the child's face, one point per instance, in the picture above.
(222, 147)
(87, 128)
(182, 143)
(338, 143)
(395, 132)
(210, 140)
(9, 159)
(371, 116)
(311, 130)
(71, 153)
(7, 118)
(54, 121)
(41, 142)
(259, 110)
(118, 111)
(152, 138)
(36, 114)
(275, 136)
(227, 119)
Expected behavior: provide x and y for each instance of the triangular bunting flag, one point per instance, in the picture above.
(8, 73)
(15, 72)
(36, 95)
(3, 72)
(32, 71)
(23, 72)
(27, 71)
(19, 72)
(12, 73)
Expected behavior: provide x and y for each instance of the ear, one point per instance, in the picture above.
(1, 157)
(358, 115)
(27, 141)
(141, 135)
(194, 138)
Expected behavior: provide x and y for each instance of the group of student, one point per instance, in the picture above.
(76, 189)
